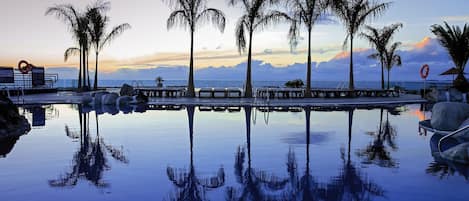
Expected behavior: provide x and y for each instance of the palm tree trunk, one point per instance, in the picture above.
(351, 81)
(84, 67)
(308, 73)
(79, 72)
(382, 74)
(88, 69)
(247, 114)
(95, 87)
(350, 122)
(248, 85)
(388, 77)
(190, 84)
(308, 125)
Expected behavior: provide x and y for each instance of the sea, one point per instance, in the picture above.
(407, 85)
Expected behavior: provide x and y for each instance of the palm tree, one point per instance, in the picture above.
(456, 42)
(190, 14)
(73, 51)
(392, 58)
(255, 18)
(380, 39)
(354, 14)
(97, 28)
(308, 13)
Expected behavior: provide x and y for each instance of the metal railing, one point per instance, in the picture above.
(451, 135)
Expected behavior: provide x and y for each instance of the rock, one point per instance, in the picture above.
(12, 124)
(87, 99)
(141, 98)
(448, 116)
(110, 109)
(98, 97)
(455, 95)
(124, 100)
(458, 153)
(126, 90)
(110, 99)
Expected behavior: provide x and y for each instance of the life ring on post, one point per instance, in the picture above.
(424, 71)
(24, 67)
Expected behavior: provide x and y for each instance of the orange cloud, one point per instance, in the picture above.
(423, 43)
(346, 54)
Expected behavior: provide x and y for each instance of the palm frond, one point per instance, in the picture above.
(456, 41)
(73, 51)
(213, 16)
(179, 18)
(116, 31)
(270, 19)
(240, 34)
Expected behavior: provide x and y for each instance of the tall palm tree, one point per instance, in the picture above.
(98, 24)
(380, 39)
(392, 58)
(190, 14)
(69, 15)
(255, 18)
(306, 12)
(456, 42)
(354, 14)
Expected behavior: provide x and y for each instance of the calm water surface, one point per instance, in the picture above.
(246, 155)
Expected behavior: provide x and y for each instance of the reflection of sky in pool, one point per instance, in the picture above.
(147, 156)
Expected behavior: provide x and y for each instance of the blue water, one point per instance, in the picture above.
(409, 85)
(247, 155)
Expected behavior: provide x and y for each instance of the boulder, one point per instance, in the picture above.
(124, 100)
(448, 116)
(110, 99)
(455, 95)
(126, 90)
(87, 99)
(458, 153)
(98, 97)
(12, 124)
(141, 98)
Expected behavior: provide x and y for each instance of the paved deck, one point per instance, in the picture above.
(76, 98)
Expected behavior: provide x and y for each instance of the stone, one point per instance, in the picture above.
(124, 100)
(126, 90)
(110, 99)
(455, 95)
(458, 153)
(87, 99)
(448, 116)
(141, 98)
(98, 97)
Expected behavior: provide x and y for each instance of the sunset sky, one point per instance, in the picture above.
(28, 34)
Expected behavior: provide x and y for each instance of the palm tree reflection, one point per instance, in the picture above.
(305, 188)
(90, 161)
(255, 184)
(377, 152)
(189, 186)
(351, 184)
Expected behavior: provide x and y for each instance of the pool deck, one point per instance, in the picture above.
(76, 98)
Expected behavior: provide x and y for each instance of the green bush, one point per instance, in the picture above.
(298, 83)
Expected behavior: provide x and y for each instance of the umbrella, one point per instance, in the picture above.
(452, 71)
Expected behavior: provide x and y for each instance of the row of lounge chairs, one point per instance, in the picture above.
(280, 93)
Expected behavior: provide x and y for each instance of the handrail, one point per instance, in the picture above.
(450, 135)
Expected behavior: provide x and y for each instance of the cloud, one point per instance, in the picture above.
(463, 18)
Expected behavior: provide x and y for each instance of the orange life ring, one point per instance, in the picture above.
(24, 67)
(424, 71)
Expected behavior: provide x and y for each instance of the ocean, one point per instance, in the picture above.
(407, 85)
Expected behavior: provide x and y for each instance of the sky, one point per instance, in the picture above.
(28, 34)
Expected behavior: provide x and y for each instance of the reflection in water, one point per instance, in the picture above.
(6, 145)
(90, 161)
(304, 188)
(351, 184)
(255, 184)
(441, 167)
(377, 152)
(189, 187)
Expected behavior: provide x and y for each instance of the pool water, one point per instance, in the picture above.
(187, 154)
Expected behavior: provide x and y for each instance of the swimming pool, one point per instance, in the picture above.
(184, 153)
